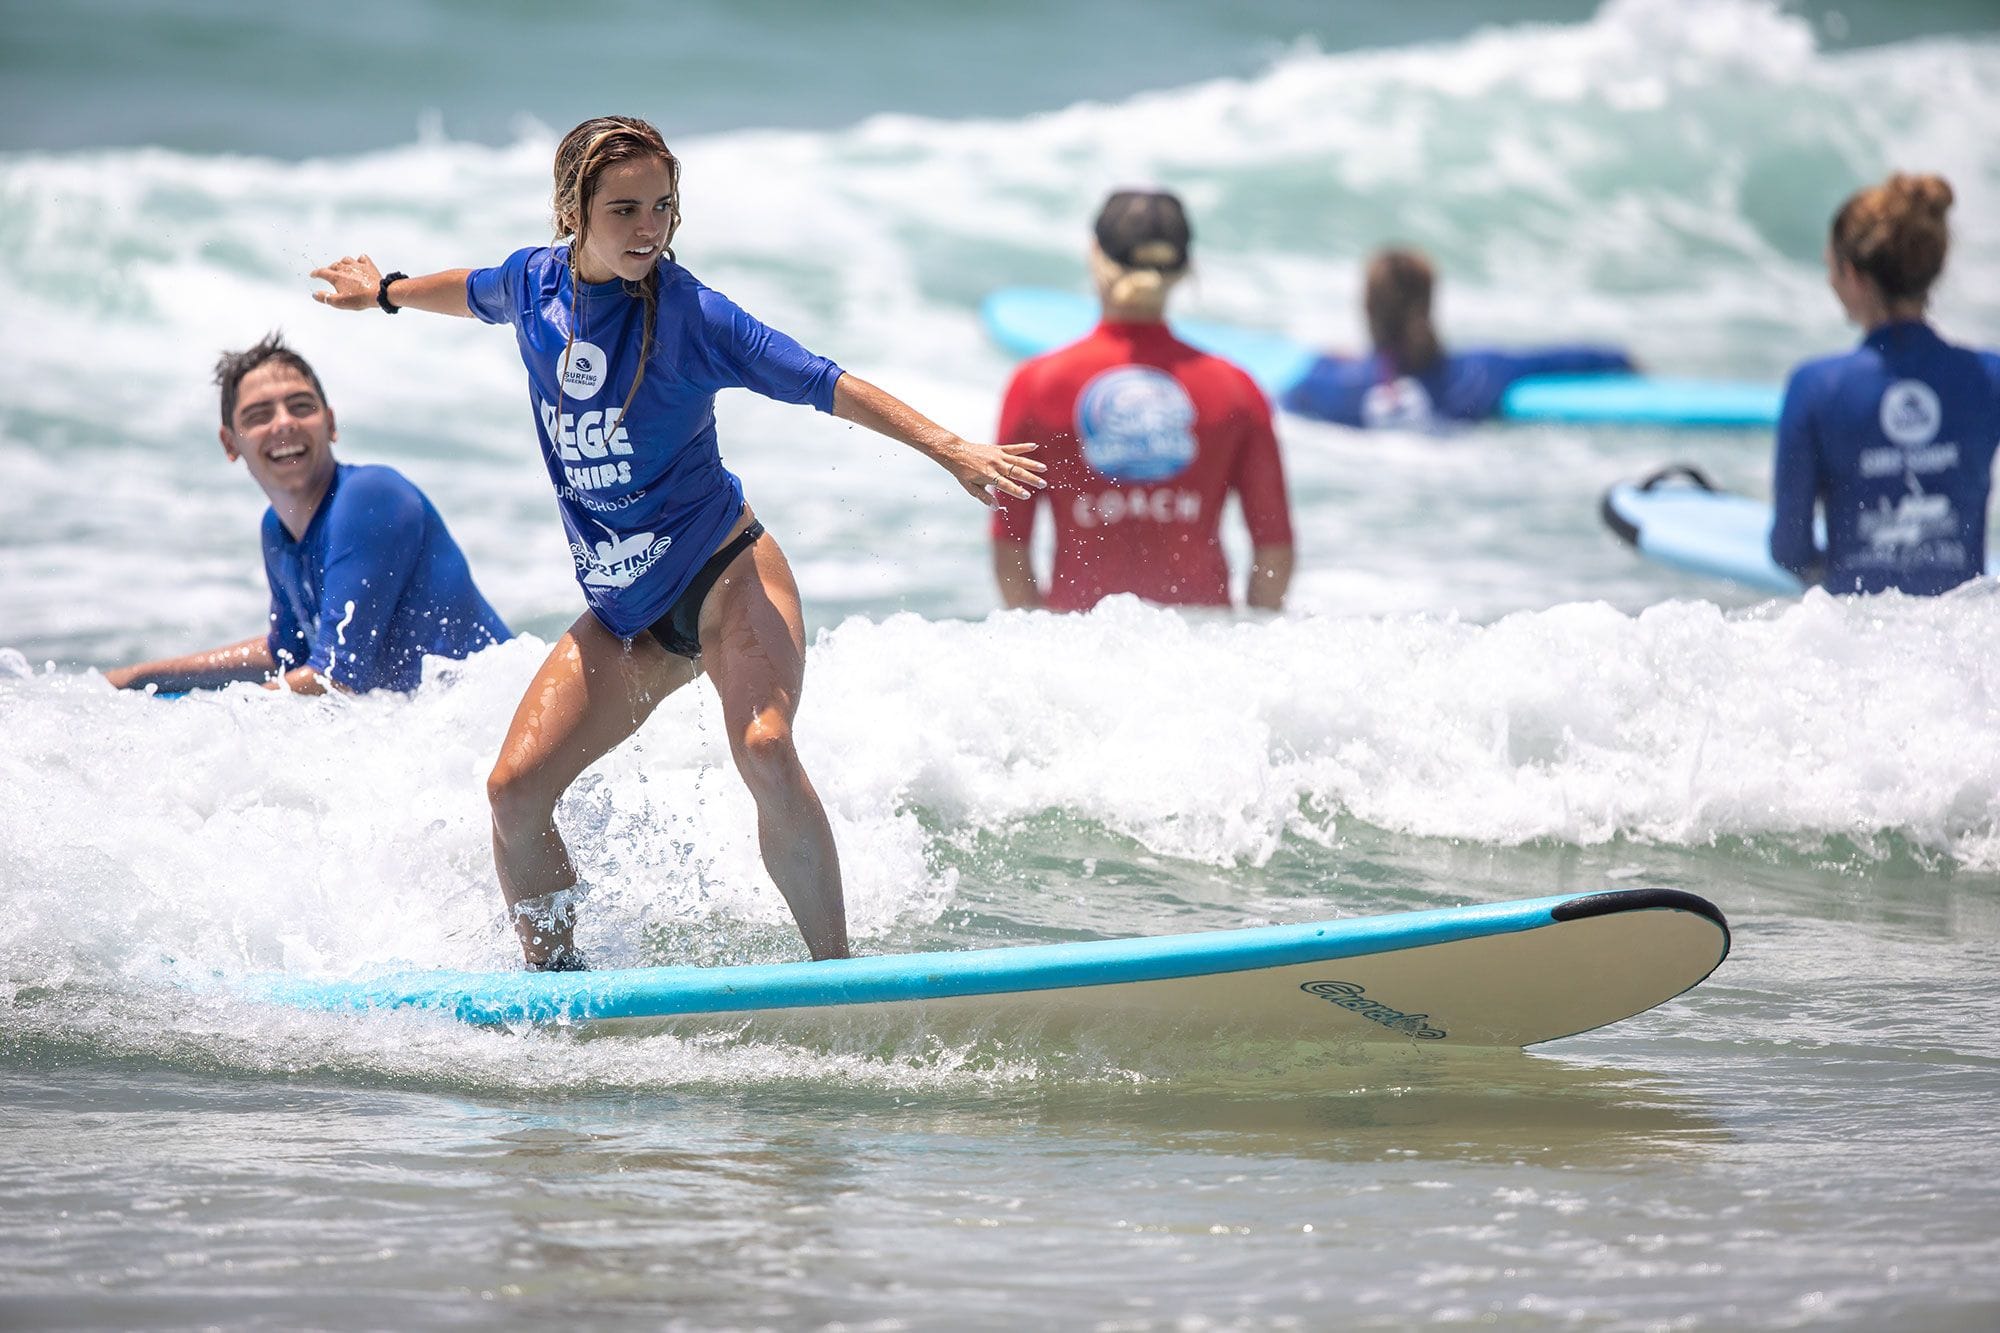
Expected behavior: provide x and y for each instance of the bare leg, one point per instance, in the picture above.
(754, 646)
(592, 693)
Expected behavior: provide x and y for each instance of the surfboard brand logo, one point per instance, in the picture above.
(582, 371)
(1347, 995)
(1136, 424)
(1911, 413)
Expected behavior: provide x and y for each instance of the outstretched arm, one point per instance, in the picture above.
(248, 660)
(355, 280)
(980, 468)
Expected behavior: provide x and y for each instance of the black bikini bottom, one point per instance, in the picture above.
(679, 630)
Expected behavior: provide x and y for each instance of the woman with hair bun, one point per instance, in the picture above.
(625, 352)
(1411, 382)
(1895, 439)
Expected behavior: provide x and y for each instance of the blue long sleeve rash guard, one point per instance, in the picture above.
(1896, 440)
(374, 585)
(1462, 386)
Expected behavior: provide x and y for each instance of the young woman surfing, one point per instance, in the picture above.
(679, 576)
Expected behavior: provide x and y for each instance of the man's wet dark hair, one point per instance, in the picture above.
(231, 367)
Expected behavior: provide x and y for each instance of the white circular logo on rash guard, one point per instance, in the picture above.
(582, 374)
(1911, 413)
(1400, 404)
(1136, 424)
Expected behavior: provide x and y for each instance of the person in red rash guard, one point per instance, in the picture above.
(1144, 438)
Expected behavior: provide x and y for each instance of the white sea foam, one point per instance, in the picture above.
(244, 829)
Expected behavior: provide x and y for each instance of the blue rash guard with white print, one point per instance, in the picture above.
(645, 498)
(1896, 440)
(1463, 386)
(374, 586)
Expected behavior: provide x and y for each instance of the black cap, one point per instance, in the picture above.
(1144, 229)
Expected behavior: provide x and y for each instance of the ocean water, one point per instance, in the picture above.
(1474, 694)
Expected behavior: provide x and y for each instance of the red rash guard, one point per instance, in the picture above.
(1144, 438)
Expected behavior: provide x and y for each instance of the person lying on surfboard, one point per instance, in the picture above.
(625, 352)
(365, 578)
(1410, 382)
(1895, 439)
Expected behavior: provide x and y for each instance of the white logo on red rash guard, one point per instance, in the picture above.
(1162, 504)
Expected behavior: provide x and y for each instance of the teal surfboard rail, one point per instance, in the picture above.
(1028, 321)
(514, 998)
(1641, 400)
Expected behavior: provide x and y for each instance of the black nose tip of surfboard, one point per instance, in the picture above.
(1613, 901)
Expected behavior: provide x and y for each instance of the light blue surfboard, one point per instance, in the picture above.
(1028, 321)
(1680, 518)
(1499, 975)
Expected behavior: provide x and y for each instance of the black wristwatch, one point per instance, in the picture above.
(382, 292)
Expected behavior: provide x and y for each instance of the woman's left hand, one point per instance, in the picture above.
(990, 470)
(354, 280)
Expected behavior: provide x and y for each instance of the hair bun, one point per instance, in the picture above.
(1896, 233)
(1930, 193)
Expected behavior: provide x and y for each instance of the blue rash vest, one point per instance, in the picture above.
(1896, 440)
(374, 586)
(645, 499)
(1462, 386)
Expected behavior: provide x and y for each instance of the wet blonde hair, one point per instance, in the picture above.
(1397, 298)
(581, 158)
(1895, 233)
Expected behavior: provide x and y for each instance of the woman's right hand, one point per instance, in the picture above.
(354, 280)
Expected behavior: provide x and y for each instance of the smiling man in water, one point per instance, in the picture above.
(366, 581)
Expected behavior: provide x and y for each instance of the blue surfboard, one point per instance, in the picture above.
(1028, 321)
(1500, 975)
(1681, 519)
